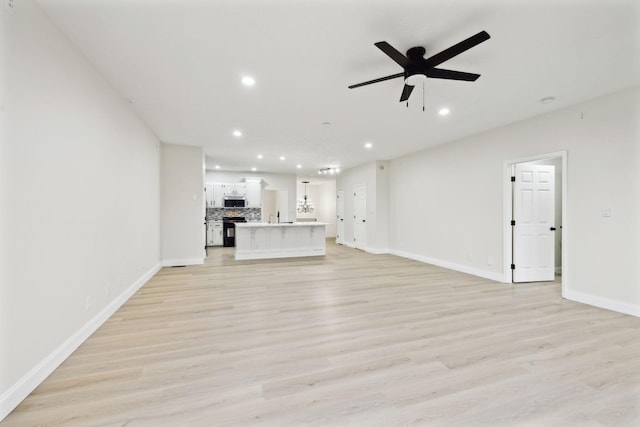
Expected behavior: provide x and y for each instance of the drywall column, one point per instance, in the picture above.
(182, 204)
(381, 236)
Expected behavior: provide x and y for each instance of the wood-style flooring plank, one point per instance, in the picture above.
(348, 339)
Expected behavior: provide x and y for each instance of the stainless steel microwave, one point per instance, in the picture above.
(234, 203)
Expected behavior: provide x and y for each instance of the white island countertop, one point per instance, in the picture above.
(279, 224)
(259, 240)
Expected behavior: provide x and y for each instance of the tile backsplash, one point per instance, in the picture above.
(250, 214)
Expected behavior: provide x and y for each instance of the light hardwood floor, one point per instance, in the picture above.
(350, 339)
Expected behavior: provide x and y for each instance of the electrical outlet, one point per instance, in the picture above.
(490, 261)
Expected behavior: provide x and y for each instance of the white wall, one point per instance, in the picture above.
(322, 194)
(447, 201)
(182, 205)
(80, 201)
(383, 207)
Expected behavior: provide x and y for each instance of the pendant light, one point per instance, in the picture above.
(304, 205)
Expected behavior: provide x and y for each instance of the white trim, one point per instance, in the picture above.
(267, 255)
(377, 251)
(507, 202)
(182, 262)
(495, 276)
(25, 385)
(349, 244)
(601, 302)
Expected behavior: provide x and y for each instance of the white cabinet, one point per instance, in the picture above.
(238, 189)
(215, 195)
(251, 191)
(254, 193)
(217, 234)
(218, 196)
(260, 240)
(208, 195)
(252, 242)
(209, 233)
(214, 233)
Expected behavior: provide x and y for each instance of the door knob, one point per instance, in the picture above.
(552, 229)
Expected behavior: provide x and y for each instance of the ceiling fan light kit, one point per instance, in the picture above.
(417, 68)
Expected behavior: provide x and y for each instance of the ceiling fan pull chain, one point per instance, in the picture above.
(423, 96)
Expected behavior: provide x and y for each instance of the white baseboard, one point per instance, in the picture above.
(377, 251)
(601, 302)
(181, 262)
(497, 277)
(21, 389)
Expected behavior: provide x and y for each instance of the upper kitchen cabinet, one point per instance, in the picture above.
(238, 189)
(254, 193)
(218, 195)
(215, 196)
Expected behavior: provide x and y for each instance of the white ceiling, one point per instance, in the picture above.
(180, 62)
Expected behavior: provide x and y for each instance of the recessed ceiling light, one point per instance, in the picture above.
(254, 169)
(282, 158)
(299, 166)
(548, 99)
(248, 81)
(368, 145)
(237, 133)
(259, 156)
(217, 166)
(444, 111)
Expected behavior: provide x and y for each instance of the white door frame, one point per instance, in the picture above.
(357, 225)
(340, 225)
(507, 206)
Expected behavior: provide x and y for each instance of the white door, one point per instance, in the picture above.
(360, 217)
(340, 217)
(533, 230)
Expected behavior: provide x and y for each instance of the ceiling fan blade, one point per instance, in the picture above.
(406, 92)
(381, 79)
(457, 49)
(439, 73)
(392, 53)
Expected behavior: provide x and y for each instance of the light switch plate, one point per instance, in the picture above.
(606, 212)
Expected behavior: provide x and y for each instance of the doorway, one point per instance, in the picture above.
(275, 205)
(528, 242)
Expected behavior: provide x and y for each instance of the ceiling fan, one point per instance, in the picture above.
(414, 63)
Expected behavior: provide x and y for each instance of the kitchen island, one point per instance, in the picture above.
(260, 240)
